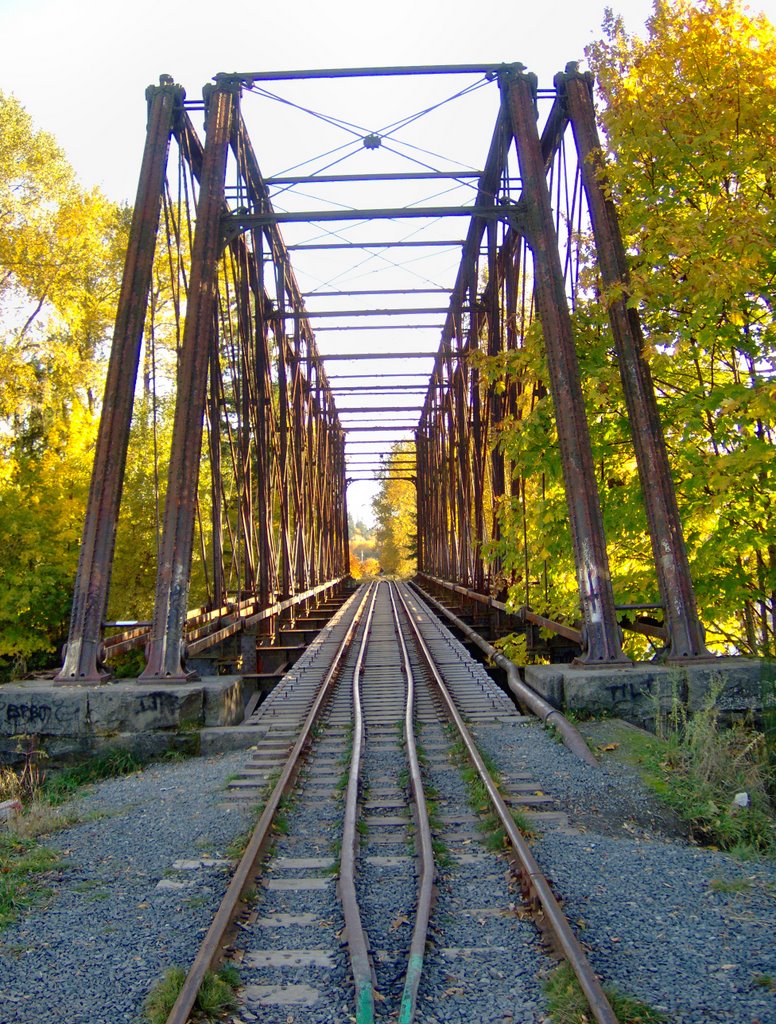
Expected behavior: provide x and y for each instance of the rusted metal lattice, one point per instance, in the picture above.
(278, 454)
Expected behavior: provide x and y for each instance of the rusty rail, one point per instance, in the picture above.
(526, 696)
(213, 944)
(423, 840)
(358, 946)
(356, 937)
(535, 886)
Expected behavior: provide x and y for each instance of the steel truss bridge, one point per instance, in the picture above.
(403, 240)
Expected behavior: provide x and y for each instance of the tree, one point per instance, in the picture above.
(690, 118)
(395, 510)
(364, 556)
(61, 249)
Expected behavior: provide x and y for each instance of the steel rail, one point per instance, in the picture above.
(535, 885)
(358, 946)
(526, 695)
(423, 840)
(213, 944)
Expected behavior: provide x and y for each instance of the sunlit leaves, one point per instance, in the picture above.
(61, 250)
(689, 117)
(395, 512)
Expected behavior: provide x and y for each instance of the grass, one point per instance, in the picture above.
(495, 838)
(440, 849)
(280, 824)
(109, 764)
(567, 1004)
(24, 865)
(250, 897)
(216, 995)
(236, 847)
(730, 885)
(697, 766)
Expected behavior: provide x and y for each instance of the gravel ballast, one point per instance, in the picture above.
(107, 933)
(689, 931)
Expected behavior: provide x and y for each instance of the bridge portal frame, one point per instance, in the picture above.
(456, 438)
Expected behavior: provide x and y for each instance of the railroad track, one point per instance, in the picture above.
(367, 840)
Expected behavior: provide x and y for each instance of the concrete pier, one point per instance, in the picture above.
(641, 692)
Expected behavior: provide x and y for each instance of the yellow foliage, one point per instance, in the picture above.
(395, 509)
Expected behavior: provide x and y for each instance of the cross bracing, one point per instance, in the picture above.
(386, 247)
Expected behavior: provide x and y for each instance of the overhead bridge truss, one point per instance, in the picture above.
(256, 426)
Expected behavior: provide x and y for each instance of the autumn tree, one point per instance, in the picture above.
(689, 120)
(689, 113)
(61, 249)
(395, 510)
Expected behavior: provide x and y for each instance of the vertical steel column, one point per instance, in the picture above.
(685, 632)
(495, 411)
(286, 563)
(90, 597)
(263, 402)
(216, 484)
(173, 575)
(601, 633)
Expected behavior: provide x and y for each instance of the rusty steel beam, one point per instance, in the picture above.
(172, 582)
(601, 638)
(685, 632)
(357, 356)
(246, 220)
(83, 656)
(448, 243)
(328, 179)
(250, 77)
(388, 311)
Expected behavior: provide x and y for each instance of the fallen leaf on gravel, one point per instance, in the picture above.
(143, 906)
(609, 746)
(454, 992)
(399, 921)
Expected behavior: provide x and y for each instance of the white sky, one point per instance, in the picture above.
(80, 67)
